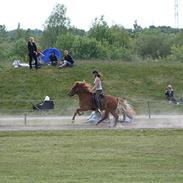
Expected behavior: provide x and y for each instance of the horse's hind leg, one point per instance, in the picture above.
(124, 118)
(106, 114)
(116, 117)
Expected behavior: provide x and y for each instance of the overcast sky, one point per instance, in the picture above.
(33, 13)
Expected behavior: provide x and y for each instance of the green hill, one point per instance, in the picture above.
(139, 82)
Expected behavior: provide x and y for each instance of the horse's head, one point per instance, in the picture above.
(79, 87)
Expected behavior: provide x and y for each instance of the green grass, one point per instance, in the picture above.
(137, 81)
(104, 156)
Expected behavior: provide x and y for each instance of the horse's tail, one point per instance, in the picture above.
(124, 107)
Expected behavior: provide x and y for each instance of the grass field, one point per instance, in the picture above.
(139, 82)
(92, 156)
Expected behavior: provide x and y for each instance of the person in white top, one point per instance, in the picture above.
(98, 90)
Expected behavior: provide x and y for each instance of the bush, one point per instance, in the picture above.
(152, 43)
(20, 49)
(176, 53)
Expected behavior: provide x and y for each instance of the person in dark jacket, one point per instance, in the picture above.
(169, 93)
(67, 60)
(53, 59)
(32, 52)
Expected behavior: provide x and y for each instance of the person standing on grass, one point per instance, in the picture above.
(32, 52)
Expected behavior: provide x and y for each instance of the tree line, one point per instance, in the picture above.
(101, 41)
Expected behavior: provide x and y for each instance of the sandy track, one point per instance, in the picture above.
(35, 123)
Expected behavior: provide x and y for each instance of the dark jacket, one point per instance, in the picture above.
(32, 48)
(169, 93)
(53, 58)
(69, 59)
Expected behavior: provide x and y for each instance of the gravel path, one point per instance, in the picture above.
(45, 122)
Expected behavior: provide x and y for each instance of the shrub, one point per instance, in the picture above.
(176, 53)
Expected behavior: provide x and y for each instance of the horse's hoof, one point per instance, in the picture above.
(73, 121)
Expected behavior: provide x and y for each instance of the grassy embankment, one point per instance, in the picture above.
(137, 81)
(104, 156)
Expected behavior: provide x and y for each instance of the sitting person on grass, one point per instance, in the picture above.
(67, 60)
(53, 59)
(169, 93)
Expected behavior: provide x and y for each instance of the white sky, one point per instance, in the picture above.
(33, 13)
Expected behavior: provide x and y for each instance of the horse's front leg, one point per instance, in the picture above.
(77, 112)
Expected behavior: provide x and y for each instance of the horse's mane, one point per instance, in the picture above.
(84, 86)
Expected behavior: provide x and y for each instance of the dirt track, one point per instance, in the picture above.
(33, 123)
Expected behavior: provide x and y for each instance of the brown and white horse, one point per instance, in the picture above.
(109, 104)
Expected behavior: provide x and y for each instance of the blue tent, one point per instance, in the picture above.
(47, 53)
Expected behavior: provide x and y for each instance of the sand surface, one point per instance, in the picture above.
(45, 122)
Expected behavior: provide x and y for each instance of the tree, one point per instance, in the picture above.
(20, 49)
(88, 48)
(99, 30)
(179, 38)
(57, 23)
(3, 33)
(65, 41)
(4, 42)
(176, 53)
(137, 28)
(58, 18)
(81, 47)
(119, 36)
(153, 43)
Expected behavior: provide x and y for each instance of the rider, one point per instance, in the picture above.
(97, 88)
